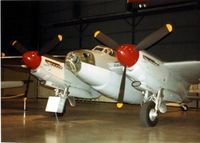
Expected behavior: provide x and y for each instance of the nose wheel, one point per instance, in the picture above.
(148, 114)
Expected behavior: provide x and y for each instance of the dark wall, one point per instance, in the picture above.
(183, 43)
(35, 23)
(19, 22)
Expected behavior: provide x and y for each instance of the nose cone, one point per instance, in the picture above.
(127, 55)
(73, 62)
(73, 59)
(32, 59)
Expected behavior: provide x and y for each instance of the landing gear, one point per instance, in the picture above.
(64, 111)
(184, 107)
(148, 114)
(57, 103)
(153, 104)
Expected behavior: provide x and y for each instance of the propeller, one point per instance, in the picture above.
(106, 40)
(26, 91)
(144, 44)
(46, 48)
(19, 46)
(121, 90)
(50, 45)
(154, 37)
(32, 59)
(128, 54)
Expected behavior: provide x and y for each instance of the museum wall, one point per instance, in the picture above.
(34, 23)
(182, 44)
(18, 22)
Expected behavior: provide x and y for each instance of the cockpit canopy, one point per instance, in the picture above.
(105, 50)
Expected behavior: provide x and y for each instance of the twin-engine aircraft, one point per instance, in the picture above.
(123, 72)
(134, 76)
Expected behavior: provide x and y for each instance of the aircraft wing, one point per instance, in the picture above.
(189, 70)
(15, 62)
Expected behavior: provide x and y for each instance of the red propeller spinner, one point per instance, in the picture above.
(32, 59)
(127, 54)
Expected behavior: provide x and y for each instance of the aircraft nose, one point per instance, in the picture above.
(74, 59)
(73, 62)
(32, 59)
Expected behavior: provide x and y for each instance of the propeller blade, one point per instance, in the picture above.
(106, 40)
(27, 85)
(19, 47)
(122, 90)
(50, 45)
(26, 91)
(154, 37)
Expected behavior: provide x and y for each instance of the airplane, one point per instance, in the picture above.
(135, 76)
(53, 73)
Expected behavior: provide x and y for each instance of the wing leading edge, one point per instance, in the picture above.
(189, 70)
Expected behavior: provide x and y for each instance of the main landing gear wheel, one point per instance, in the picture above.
(148, 114)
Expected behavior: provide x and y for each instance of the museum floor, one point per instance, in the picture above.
(94, 123)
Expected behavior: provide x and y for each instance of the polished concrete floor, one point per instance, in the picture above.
(94, 123)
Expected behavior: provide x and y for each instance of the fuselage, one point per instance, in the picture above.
(104, 73)
(99, 75)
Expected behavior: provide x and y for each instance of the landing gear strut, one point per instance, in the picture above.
(153, 104)
(65, 95)
(148, 114)
(57, 103)
(184, 107)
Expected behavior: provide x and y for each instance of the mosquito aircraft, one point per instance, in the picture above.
(135, 75)
(54, 74)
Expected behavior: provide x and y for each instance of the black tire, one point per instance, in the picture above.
(145, 114)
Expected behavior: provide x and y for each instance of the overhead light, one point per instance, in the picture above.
(142, 5)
